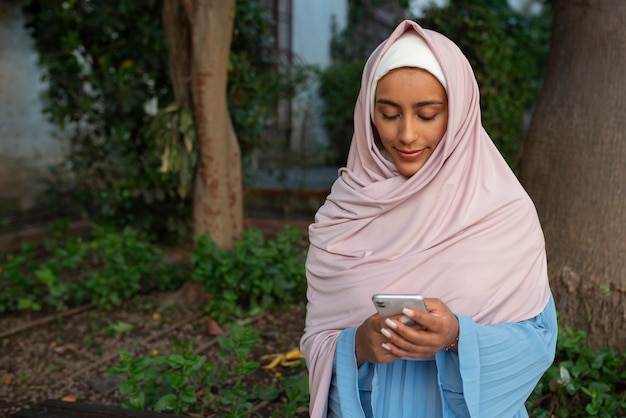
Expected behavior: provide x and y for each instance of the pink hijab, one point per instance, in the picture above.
(462, 229)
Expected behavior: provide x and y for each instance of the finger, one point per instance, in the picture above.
(418, 352)
(413, 341)
(405, 338)
(441, 323)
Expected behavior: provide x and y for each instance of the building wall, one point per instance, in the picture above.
(27, 141)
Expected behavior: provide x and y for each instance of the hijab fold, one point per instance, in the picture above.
(461, 229)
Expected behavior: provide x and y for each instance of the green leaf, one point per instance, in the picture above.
(226, 344)
(46, 276)
(117, 370)
(178, 381)
(166, 403)
(127, 387)
(138, 401)
(120, 327)
(188, 394)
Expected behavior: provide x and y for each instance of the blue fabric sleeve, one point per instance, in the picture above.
(346, 395)
(497, 366)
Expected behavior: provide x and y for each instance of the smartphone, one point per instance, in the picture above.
(392, 304)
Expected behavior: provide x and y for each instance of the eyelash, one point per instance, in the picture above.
(424, 118)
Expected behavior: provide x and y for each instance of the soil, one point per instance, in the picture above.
(65, 356)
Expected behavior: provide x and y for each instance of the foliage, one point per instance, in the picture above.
(109, 268)
(581, 382)
(176, 148)
(187, 383)
(103, 64)
(257, 274)
(507, 50)
(339, 88)
(359, 37)
(106, 68)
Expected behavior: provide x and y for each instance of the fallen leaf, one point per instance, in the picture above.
(8, 379)
(69, 398)
(276, 359)
(212, 327)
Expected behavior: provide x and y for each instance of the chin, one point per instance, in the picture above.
(409, 171)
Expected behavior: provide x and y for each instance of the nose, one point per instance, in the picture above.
(409, 131)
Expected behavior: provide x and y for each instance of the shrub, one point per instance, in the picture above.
(256, 275)
(581, 382)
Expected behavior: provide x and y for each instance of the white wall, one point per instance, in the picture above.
(27, 142)
(25, 134)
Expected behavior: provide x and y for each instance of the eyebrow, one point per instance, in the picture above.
(418, 104)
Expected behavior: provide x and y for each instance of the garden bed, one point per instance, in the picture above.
(65, 356)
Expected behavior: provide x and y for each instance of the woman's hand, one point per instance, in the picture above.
(369, 342)
(381, 340)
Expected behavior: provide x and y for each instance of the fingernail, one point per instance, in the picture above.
(385, 346)
(407, 312)
(404, 320)
(391, 324)
(385, 332)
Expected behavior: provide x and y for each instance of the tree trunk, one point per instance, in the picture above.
(573, 165)
(176, 29)
(199, 36)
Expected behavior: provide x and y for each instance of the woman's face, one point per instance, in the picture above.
(411, 116)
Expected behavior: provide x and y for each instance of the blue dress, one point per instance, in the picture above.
(494, 372)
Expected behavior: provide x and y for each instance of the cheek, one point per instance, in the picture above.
(438, 133)
(384, 134)
(386, 139)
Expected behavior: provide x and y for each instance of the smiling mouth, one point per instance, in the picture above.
(410, 155)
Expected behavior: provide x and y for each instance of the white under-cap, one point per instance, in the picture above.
(409, 50)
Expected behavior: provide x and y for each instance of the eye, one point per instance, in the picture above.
(428, 118)
(389, 117)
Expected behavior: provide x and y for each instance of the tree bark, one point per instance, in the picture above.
(176, 29)
(572, 163)
(199, 38)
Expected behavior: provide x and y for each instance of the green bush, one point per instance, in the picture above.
(256, 275)
(112, 266)
(581, 382)
(107, 269)
(339, 88)
(186, 383)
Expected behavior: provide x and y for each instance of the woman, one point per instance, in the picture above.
(425, 205)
